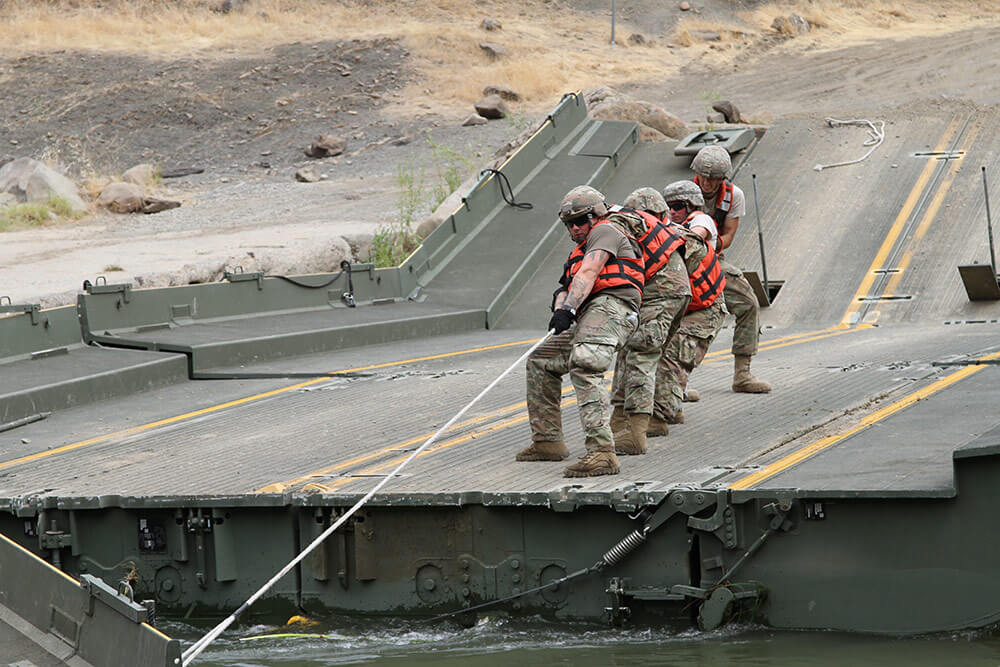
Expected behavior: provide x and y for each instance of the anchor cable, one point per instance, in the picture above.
(195, 649)
(508, 193)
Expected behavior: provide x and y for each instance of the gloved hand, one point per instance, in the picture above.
(561, 320)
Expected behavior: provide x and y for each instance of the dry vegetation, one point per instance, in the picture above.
(546, 57)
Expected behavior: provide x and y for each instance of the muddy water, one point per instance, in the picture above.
(496, 642)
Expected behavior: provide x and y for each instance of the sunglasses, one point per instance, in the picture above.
(677, 205)
(578, 221)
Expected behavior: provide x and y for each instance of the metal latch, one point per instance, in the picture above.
(30, 308)
(101, 286)
(237, 275)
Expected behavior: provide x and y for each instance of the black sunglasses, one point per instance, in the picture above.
(677, 205)
(578, 221)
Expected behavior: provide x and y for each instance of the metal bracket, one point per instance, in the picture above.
(617, 612)
(101, 286)
(31, 308)
(237, 275)
(98, 590)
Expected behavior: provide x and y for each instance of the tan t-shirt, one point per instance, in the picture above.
(610, 238)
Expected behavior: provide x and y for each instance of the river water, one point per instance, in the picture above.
(496, 642)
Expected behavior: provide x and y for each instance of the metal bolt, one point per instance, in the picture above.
(465, 592)
(678, 499)
(429, 584)
(699, 498)
(516, 578)
(515, 563)
(515, 590)
(167, 585)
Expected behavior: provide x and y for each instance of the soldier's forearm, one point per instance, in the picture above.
(560, 300)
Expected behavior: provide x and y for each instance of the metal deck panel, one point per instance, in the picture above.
(82, 375)
(910, 453)
(822, 230)
(358, 426)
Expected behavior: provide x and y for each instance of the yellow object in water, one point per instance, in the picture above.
(301, 621)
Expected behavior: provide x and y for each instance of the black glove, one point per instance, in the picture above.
(562, 319)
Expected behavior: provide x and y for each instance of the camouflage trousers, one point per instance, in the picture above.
(682, 355)
(586, 352)
(635, 369)
(742, 303)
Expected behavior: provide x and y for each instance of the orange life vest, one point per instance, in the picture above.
(618, 272)
(657, 243)
(708, 280)
(723, 202)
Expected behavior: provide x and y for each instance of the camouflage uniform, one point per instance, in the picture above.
(664, 300)
(686, 350)
(742, 303)
(586, 353)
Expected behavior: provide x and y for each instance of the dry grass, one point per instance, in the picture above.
(547, 56)
(849, 22)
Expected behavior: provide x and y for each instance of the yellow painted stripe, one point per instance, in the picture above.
(829, 441)
(279, 487)
(242, 401)
(929, 215)
(897, 226)
(720, 354)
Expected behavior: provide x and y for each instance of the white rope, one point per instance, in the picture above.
(875, 137)
(195, 649)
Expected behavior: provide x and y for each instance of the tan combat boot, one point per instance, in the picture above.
(544, 450)
(743, 380)
(594, 464)
(676, 418)
(692, 396)
(619, 422)
(632, 440)
(657, 427)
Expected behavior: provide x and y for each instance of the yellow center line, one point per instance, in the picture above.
(897, 226)
(279, 487)
(929, 215)
(513, 421)
(242, 401)
(825, 443)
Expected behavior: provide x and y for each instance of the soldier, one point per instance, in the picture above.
(600, 289)
(665, 297)
(726, 204)
(705, 313)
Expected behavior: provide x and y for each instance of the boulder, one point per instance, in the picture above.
(7, 199)
(646, 133)
(684, 6)
(142, 175)
(728, 109)
(307, 175)
(227, 6)
(715, 117)
(620, 108)
(31, 180)
(494, 51)
(474, 119)
(636, 39)
(445, 208)
(505, 93)
(5, 159)
(491, 106)
(491, 25)
(327, 145)
(360, 244)
(596, 95)
(120, 197)
(155, 205)
(793, 24)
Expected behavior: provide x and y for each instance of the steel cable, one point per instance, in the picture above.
(876, 135)
(195, 649)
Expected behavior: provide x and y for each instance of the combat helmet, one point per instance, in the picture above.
(686, 191)
(712, 162)
(647, 199)
(582, 200)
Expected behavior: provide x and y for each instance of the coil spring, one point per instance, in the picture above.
(627, 545)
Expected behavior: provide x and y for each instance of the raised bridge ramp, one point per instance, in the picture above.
(849, 364)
